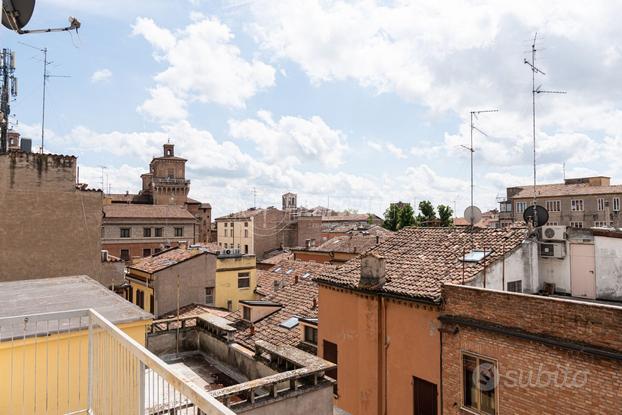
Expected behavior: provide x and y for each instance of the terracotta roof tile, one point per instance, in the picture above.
(132, 211)
(420, 260)
(297, 300)
(166, 259)
(355, 241)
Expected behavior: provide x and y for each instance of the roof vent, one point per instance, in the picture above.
(373, 270)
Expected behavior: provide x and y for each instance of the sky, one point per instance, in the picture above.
(348, 104)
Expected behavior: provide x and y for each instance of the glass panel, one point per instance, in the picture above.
(487, 386)
(469, 365)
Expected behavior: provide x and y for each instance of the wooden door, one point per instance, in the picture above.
(582, 274)
(424, 396)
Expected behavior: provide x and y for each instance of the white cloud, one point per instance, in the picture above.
(390, 148)
(203, 63)
(163, 106)
(292, 139)
(100, 75)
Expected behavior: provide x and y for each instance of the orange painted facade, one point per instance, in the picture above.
(372, 378)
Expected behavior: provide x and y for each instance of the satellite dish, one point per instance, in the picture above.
(16, 13)
(472, 214)
(541, 214)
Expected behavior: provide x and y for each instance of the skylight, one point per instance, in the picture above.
(289, 271)
(290, 323)
(278, 269)
(305, 275)
(476, 256)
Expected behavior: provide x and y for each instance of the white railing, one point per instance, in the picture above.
(77, 362)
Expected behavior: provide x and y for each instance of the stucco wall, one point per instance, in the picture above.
(317, 402)
(194, 276)
(608, 253)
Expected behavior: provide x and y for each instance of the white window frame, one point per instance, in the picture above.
(616, 204)
(554, 205)
(600, 204)
(576, 224)
(478, 358)
(520, 205)
(576, 205)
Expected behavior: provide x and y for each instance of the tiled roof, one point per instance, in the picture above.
(278, 257)
(355, 217)
(561, 189)
(355, 241)
(131, 211)
(420, 260)
(165, 259)
(243, 214)
(297, 300)
(285, 273)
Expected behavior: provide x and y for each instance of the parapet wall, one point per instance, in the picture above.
(34, 171)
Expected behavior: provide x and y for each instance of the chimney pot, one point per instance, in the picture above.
(373, 270)
(252, 329)
(295, 279)
(314, 303)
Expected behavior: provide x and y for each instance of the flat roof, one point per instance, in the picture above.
(48, 295)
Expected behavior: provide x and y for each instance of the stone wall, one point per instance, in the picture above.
(48, 228)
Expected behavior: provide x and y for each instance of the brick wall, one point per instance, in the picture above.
(41, 172)
(534, 377)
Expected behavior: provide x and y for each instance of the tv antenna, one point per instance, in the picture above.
(471, 149)
(17, 13)
(9, 89)
(534, 91)
(46, 76)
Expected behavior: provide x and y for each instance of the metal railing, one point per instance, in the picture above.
(77, 362)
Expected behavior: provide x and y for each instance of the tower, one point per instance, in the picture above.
(289, 202)
(166, 180)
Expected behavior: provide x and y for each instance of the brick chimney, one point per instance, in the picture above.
(373, 270)
(183, 244)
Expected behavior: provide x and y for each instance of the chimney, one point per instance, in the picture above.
(296, 279)
(377, 239)
(183, 244)
(314, 303)
(373, 270)
(252, 329)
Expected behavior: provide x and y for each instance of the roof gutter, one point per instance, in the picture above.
(420, 300)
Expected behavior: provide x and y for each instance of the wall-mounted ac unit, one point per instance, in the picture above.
(553, 250)
(553, 233)
(230, 252)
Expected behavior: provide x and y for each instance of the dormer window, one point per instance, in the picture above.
(246, 313)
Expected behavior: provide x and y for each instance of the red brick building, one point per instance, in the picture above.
(509, 353)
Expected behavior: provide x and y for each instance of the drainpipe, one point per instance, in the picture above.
(382, 356)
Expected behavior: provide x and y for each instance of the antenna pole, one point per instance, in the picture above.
(471, 151)
(45, 77)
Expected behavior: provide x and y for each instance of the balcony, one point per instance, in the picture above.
(77, 362)
(169, 181)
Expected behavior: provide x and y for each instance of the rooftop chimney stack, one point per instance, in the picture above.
(373, 270)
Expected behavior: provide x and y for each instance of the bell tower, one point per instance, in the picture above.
(166, 179)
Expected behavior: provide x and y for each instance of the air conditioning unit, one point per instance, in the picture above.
(553, 233)
(553, 250)
(230, 252)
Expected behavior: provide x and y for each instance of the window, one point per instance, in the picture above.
(146, 232)
(125, 254)
(290, 323)
(246, 249)
(425, 397)
(157, 250)
(331, 354)
(576, 224)
(151, 304)
(600, 204)
(209, 295)
(232, 224)
(520, 207)
(552, 223)
(226, 245)
(576, 205)
(479, 382)
(179, 231)
(170, 173)
(246, 224)
(616, 204)
(140, 298)
(158, 232)
(311, 335)
(147, 252)
(553, 205)
(226, 233)
(226, 224)
(244, 279)
(124, 232)
(515, 286)
(246, 313)
(130, 294)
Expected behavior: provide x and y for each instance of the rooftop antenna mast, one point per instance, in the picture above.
(534, 92)
(46, 76)
(9, 89)
(471, 149)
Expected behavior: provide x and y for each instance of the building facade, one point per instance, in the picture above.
(236, 279)
(515, 353)
(135, 230)
(581, 203)
(257, 231)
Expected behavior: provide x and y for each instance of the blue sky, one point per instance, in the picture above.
(361, 102)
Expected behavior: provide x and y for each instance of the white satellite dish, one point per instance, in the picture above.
(472, 214)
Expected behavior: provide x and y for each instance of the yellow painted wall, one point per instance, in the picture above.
(50, 374)
(226, 286)
(148, 292)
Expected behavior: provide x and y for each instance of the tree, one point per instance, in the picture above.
(445, 214)
(427, 216)
(406, 216)
(391, 217)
